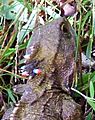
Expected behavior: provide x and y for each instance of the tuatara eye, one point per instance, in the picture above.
(66, 30)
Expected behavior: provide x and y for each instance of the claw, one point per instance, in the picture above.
(22, 68)
(32, 48)
(27, 57)
(25, 74)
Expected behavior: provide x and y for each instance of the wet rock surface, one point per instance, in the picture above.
(45, 96)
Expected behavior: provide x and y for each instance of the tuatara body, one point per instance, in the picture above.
(45, 97)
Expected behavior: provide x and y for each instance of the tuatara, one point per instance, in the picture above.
(44, 96)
